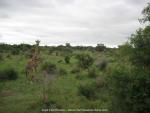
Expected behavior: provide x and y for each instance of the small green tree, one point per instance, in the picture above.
(140, 47)
(88, 90)
(85, 60)
(67, 59)
(146, 14)
(129, 90)
(8, 74)
(49, 67)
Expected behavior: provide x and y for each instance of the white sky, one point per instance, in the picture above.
(79, 22)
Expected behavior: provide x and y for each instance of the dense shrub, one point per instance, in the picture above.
(51, 50)
(129, 91)
(15, 52)
(85, 60)
(59, 61)
(67, 59)
(87, 90)
(62, 71)
(28, 54)
(49, 67)
(8, 55)
(75, 70)
(8, 74)
(14, 48)
(139, 47)
(92, 73)
(79, 76)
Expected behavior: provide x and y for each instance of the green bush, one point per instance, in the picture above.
(139, 46)
(87, 90)
(129, 91)
(75, 70)
(8, 55)
(79, 76)
(67, 59)
(62, 71)
(28, 54)
(49, 67)
(85, 60)
(92, 73)
(15, 52)
(8, 74)
(59, 61)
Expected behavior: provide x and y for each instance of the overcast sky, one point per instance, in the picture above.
(79, 22)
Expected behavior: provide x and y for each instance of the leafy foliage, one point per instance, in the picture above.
(15, 48)
(87, 90)
(8, 74)
(62, 71)
(129, 91)
(92, 73)
(49, 67)
(139, 45)
(146, 14)
(75, 70)
(67, 59)
(84, 60)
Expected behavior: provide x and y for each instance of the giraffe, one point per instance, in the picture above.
(31, 66)
(33, 62)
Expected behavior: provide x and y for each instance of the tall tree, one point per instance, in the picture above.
(146, 14)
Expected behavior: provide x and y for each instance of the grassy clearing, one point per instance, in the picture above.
(22, 95)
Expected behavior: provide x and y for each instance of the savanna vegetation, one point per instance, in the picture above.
(34, 77)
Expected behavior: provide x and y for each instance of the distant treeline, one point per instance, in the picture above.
(26, 47)
(7, 47)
